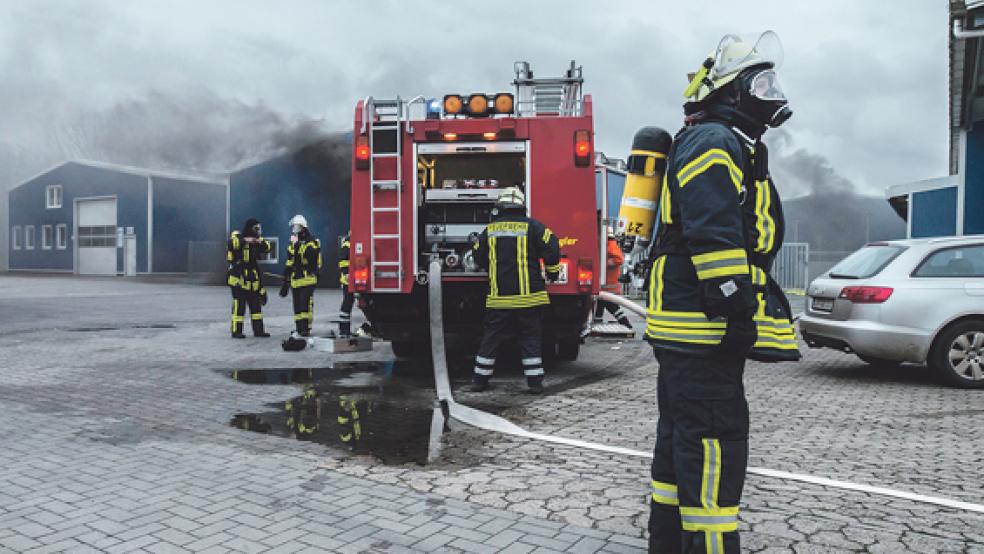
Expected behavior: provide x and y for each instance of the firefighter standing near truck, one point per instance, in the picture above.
(511, 248)
(244, 279)
(614, 258)
(710, 301)
(348, 297)
(301, 273)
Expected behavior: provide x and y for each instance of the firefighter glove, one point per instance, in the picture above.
(739, 337)
(284, 288)
(730, 297)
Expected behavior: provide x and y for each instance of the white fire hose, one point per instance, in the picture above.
(491, 422)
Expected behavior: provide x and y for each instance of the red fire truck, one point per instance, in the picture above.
(426, 175)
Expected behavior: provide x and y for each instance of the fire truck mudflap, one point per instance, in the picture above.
(426, 175)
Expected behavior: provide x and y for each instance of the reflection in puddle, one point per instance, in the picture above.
(360, 406)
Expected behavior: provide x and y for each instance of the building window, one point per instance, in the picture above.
(961, 261)
(15, 237)
(29, 237)
(53, 196)
(97, 236)
(47, 237)
(271, 257)
(61, 236)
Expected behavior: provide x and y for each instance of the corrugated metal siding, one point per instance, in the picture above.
(315, 182)
(185, 211)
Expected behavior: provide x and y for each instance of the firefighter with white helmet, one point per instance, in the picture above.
(511, 248)
(711, 302)
(301, 273)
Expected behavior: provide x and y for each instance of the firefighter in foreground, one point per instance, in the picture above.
(301, 273)
(243, 277)
(511, 248)
(348, 298)
(711, 304)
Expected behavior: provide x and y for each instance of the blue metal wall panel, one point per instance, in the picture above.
(934, 213)
(974, 182)
(27, 207)
(185, 211)
(616, 186)
(315, 182)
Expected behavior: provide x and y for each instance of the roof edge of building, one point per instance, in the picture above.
(219, 179)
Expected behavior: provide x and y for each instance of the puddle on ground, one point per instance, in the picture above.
(375, 408)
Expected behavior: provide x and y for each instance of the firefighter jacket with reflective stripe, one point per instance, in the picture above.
(242, 256)
(343, 262)
(511, 248)
(719, 231)
(303, 262)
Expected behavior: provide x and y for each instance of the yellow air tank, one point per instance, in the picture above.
(646, 165)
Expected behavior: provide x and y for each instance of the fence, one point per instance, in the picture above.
(792, 266)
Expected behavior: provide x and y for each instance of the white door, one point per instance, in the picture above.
(96, 236)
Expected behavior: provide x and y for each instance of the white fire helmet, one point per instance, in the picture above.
(511, 196)
(297, 223)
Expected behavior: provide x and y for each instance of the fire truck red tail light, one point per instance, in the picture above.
(488, 136)
(360, 274)
(585, 273)
(450, 136)
(866, 295)
(582, 148)
(362, 152)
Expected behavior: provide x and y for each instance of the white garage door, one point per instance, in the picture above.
(96, 237)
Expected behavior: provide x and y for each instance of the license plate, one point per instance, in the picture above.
(823, 304)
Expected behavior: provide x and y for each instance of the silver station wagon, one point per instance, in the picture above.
(919, 301)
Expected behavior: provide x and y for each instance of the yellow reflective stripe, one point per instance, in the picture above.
(709, 341)
(721, 263)
(711, 476)
(493, 280)
(555, 268)
(665, 208)
(665, 493)
(547, 233)
(764, 223)
(343, 263)
(518, 301)
(521, 266)
(715, 520)
(713, 542)
(714, 156)
(256, 317)
(652, 153)
(656, 285)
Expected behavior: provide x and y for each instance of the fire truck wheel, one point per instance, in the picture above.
(568, 349)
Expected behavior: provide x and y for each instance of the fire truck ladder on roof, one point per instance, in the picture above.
(384, 120)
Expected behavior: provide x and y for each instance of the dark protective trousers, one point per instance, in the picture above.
(345, 312)
(612, 308)
(303, 298)
(701, 455)
(240, 300)
(526, 324)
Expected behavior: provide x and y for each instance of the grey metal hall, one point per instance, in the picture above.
(93, 218)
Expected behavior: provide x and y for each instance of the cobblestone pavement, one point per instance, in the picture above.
(118, 440)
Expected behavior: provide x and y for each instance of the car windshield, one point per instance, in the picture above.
(866, 262)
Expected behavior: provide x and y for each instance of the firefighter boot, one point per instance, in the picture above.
(302, 327)
(258, 328)
(535, 384)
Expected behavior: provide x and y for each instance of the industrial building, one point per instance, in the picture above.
(314, 181)
(93, 218)
(954, 204)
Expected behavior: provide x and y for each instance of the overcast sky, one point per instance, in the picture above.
(208, 84)
(867, 80)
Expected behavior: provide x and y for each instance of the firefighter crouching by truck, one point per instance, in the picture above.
(301, 273)
(711, 302)
(613, 262)
(244, 278)
(511, 248)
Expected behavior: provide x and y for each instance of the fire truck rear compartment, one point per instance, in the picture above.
(458, 189)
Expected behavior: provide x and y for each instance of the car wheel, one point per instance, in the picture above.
(958, 358)
(879, 362)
